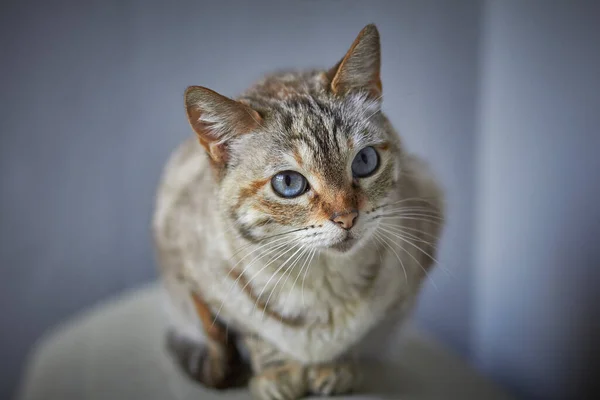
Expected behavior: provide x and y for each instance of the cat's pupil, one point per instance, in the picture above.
(288, 180)
(363, 157)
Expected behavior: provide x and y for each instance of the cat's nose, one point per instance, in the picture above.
(346, 219)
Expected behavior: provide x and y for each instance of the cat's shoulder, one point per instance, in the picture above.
(185, 163)
(187, 169)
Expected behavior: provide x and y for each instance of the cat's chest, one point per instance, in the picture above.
(320, 320)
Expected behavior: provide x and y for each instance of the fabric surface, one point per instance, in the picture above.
(116, 351)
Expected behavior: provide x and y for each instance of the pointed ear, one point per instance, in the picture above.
(217, 119)
(359, 70)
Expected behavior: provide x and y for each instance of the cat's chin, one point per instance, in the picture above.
(349, 244)
(345, 245)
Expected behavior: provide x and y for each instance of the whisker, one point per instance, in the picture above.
(306, 262)
(418, 248)
(445, 269)
(291, 268)
(414, 258)
(288, 273)
(412, 209)
(412, 214)
(380, 243)
(304, 278)
(397, 256)
(398, 229)
(427, 200)
(286, 233)
(378, 252)
(403, 227)
(271, 261)
(267, 238)
(278, 240)
(271, 278)
(269, 251)
(411, 218)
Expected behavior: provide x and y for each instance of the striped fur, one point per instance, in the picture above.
(298, 289)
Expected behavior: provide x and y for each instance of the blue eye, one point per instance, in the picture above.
(365, 163)
(289, 184)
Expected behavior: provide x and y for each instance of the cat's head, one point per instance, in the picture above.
(303, 158)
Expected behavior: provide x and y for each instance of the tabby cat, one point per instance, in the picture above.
(296, 226)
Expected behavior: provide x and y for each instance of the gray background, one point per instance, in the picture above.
(501, 97)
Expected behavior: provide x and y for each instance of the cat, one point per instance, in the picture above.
(296, 226)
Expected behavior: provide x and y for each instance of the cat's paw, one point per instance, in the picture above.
(282, 383)
(332, 379)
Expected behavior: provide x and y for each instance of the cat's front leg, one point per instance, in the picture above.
(214, 365)
(213, 361)
(276, 375)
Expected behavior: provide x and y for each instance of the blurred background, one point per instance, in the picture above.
(501, 97)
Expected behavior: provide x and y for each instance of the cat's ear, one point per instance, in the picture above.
(217, 119)
(359, 70)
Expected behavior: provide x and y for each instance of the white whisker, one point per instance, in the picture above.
(269, 251)
(271, 278)
(410, 218)
(423, 199)
(378, 251)
(398, 229)
(304, 278)
(403, 227)
(413, 214)
(428, 210)
(418, 248)
(277, 240)
(397, 256)
(414, 258)
(306, 262)
(288, 273)
(381, 243)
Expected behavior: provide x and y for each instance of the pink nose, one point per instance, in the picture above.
(345, 220)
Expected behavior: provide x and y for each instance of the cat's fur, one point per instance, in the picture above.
(238, 259)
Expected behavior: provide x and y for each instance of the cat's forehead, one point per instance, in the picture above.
(306, 128)
(299, 103)
(325, 123)
(318, 136)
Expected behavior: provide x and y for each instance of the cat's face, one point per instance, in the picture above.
(303, 158)
(315, 167)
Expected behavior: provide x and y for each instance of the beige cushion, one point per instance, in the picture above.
(116, 351)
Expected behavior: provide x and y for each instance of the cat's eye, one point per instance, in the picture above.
(289, 184)
(365, 163)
